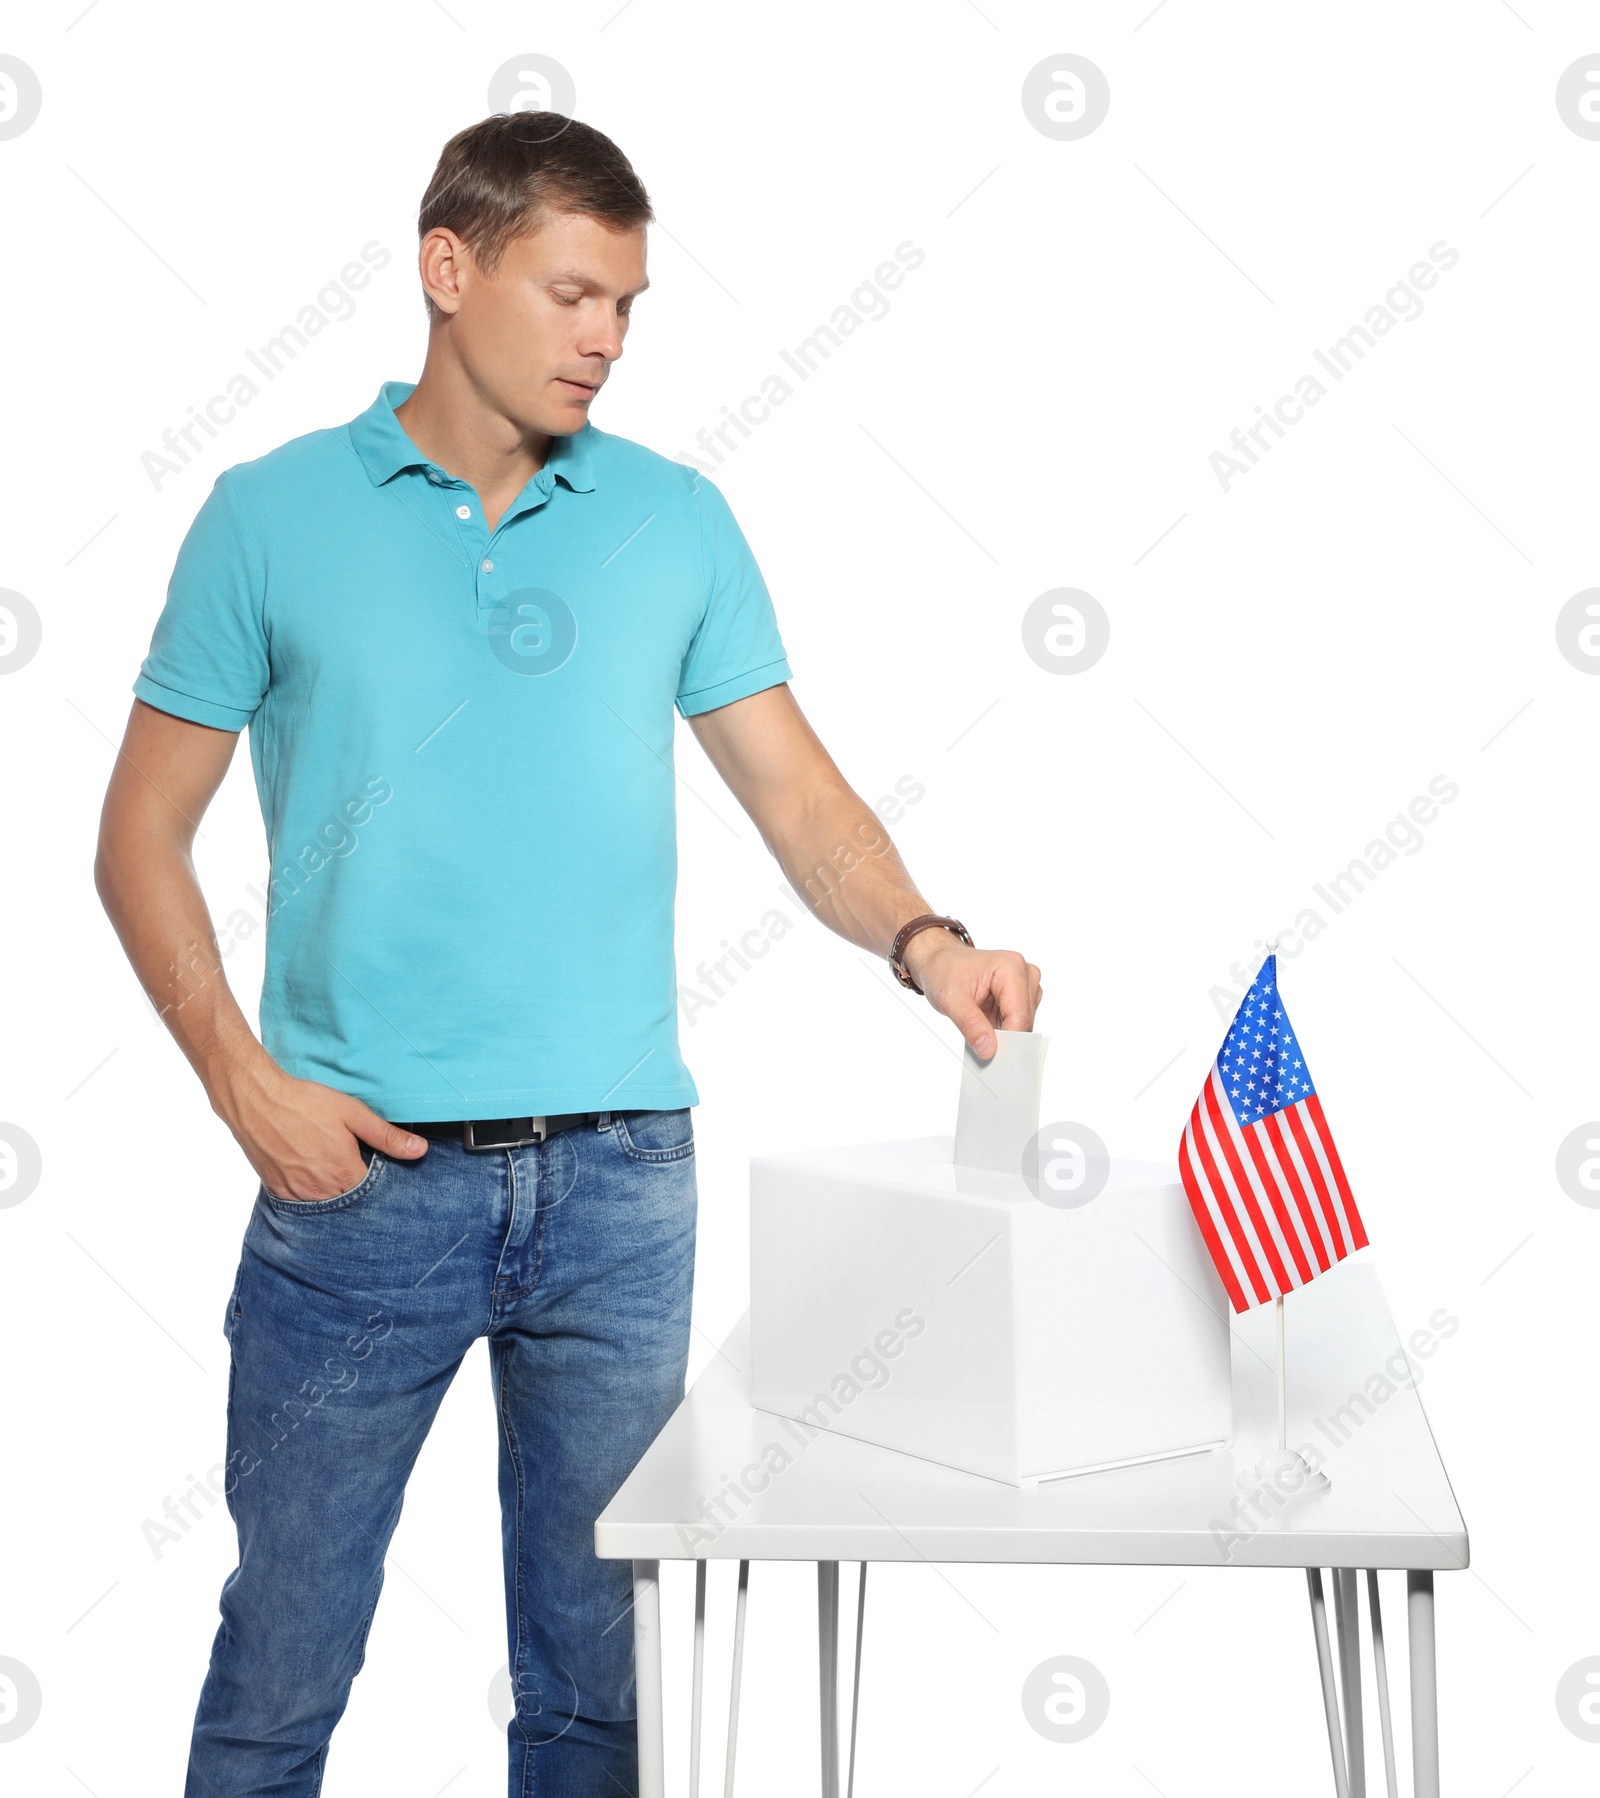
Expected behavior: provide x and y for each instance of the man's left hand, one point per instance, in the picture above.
(976, 989)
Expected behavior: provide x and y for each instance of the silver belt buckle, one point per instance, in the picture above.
(521, 1142)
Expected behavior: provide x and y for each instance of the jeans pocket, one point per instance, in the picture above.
(311, 1207)
(234, 1309)
(655, 1135)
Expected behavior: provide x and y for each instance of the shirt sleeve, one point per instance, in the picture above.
(736, 649)
(208, 654)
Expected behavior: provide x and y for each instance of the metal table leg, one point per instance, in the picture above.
(828, 1671)
(738, 1667)
(1380, 1665)
(647, 1676)
(855, 1690)
(1424, 1684)
(1330, 1698)
(1347, 1619)
(696, 1705)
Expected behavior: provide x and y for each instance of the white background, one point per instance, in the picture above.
(1372, 607)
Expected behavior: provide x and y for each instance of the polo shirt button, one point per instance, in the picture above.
(463, 511)
(433, 477)
(488, 567)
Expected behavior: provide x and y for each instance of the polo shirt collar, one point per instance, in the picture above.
(384, 448)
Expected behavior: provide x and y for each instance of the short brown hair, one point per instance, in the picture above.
(496, 180)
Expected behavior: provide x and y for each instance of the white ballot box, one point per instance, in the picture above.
(948, 1297)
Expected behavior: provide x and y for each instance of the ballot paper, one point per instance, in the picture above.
(997, 1116)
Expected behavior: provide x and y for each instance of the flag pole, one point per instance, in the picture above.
(1283, 1397)
(1289, 1461)
(1290, 1471)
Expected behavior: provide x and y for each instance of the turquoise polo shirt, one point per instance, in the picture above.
(463, 746)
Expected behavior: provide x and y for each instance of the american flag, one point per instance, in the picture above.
(1264, 1180)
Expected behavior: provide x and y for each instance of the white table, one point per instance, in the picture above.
(1389, 1505)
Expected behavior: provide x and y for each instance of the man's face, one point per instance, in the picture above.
(539, 336)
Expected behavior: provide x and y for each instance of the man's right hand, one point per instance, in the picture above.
(302, 1138)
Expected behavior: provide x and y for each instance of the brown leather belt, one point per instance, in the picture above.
(510, 1133)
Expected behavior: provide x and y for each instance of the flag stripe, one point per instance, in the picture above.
(1208, 1229)
(1241, 1182)
(1320, 1148)
(1239, 1221)
(1314, 1169)
(1358, 1234)
(1291, 1173)
(1313, 1137)
(1253, 1141)
(1219, 1194)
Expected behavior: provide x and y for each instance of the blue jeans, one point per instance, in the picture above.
(346, 1323)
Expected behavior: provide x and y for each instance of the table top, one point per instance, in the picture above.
(725, 1481)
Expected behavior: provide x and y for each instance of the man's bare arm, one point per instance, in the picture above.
(836, 854)
(302, 1138)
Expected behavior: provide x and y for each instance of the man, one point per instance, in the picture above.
(457, 628)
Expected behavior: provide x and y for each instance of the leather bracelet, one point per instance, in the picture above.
(928, 921)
